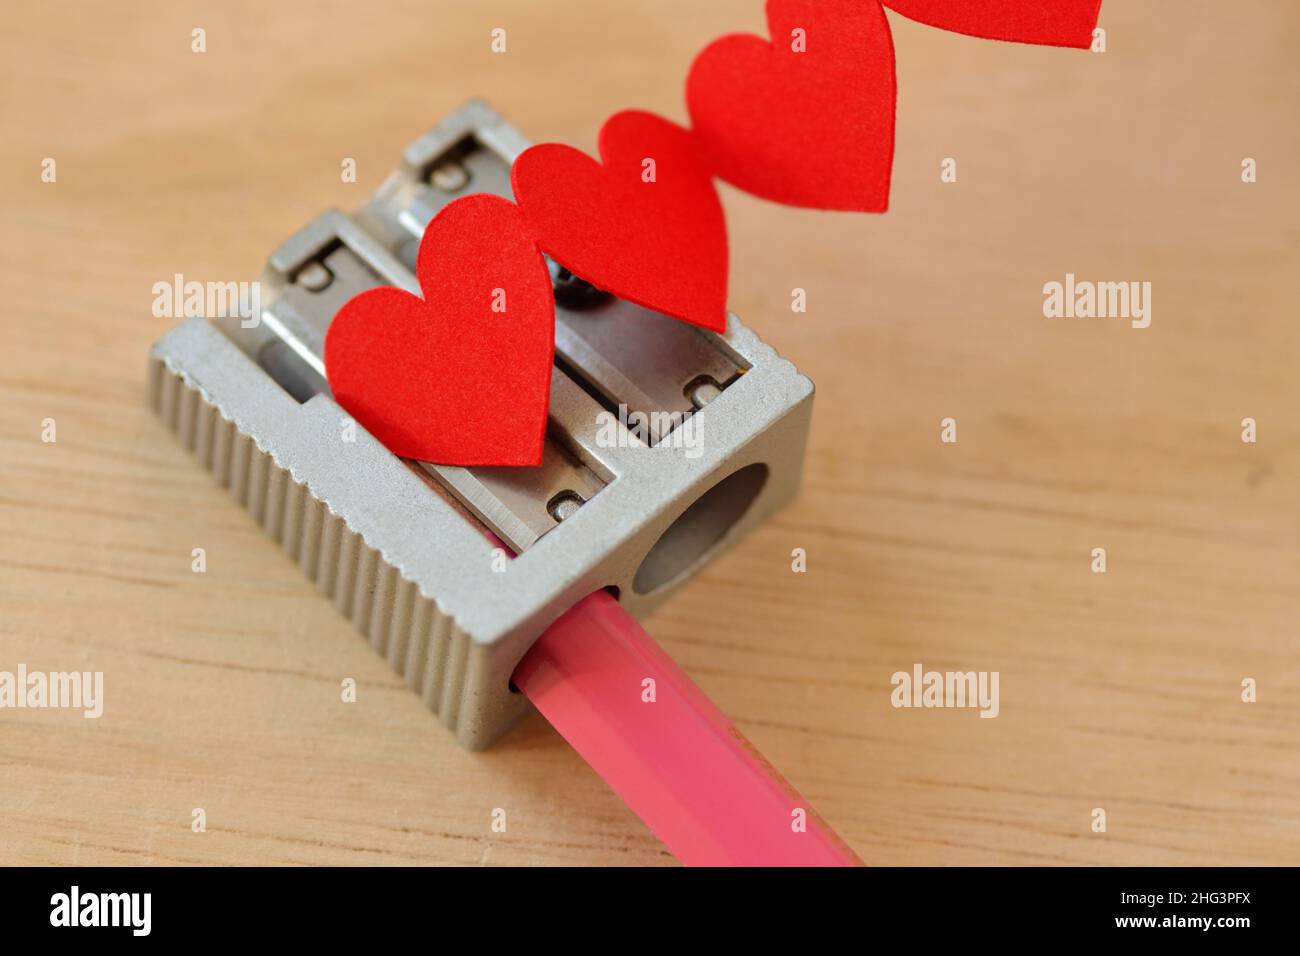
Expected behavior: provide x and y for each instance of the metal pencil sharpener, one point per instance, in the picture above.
(622, 499)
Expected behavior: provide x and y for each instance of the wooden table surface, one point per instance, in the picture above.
(1119, 691)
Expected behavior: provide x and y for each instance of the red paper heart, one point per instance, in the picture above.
(660, 244)
(446, 378)
(812, 128)
(1058, 23)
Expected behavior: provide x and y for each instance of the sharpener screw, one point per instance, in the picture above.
(315, 277)
(564, 505)
(450, 177)
(702, 391)
(572, 292)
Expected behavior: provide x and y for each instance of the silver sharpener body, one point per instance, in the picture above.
(620, 501)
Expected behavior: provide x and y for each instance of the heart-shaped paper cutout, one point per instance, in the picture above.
(1058, 23)
(461, 376)
(645, 223)
(808, 118)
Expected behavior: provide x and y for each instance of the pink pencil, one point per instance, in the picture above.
(677, 761)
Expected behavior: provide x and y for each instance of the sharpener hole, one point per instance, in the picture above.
(700, 527)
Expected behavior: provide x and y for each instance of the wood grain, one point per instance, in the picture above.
(1119, 691)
